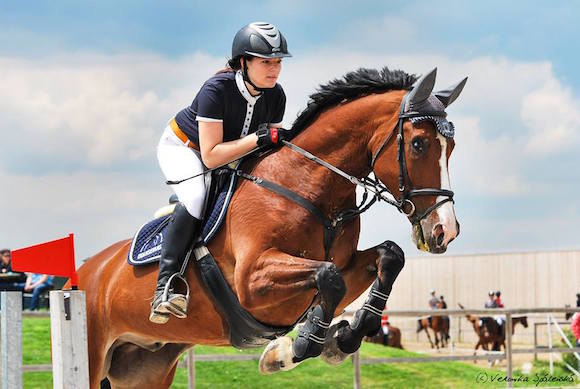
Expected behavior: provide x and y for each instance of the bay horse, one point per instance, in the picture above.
(393, 340)
(271, 250)
(491, 336)
(439, 324)
(523, 320)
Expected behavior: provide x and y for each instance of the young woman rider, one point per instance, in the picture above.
(219, 126)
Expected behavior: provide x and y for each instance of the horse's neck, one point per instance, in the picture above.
(341, 136)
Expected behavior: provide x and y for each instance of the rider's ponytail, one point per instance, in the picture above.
(233, 65)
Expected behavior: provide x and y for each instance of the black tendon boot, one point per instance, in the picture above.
(178, 238)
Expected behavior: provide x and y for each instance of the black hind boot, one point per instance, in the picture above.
(178, 238)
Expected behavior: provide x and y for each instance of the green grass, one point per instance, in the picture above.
(312, 373)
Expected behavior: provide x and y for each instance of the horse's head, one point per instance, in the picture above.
(421, 142)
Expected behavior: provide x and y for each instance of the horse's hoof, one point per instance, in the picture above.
(331, 353)
(277, 356)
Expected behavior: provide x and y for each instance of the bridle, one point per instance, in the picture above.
(404, 204)
(406, 191)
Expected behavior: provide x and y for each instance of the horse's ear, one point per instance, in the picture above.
(422, 88)
(447, 96)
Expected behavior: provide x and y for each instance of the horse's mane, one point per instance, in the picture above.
(352, 85)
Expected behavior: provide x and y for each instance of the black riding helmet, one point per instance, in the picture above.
(259, 39)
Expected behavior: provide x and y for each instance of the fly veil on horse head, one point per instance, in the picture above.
(287, 248)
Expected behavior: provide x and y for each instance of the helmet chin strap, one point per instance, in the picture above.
(247, 77)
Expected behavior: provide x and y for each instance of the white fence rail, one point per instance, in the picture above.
(13, 319)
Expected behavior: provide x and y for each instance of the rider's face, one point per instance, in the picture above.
(264, 72)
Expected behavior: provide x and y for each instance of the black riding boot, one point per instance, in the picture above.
(178, 238)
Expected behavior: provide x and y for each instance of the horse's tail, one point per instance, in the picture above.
(419, 325)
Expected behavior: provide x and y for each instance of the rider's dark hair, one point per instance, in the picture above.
(234, 64)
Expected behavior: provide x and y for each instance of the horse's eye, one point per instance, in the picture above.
(418, 145)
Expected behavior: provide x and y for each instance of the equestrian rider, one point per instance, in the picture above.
(498, 301)
(237, 109)
(491, 303)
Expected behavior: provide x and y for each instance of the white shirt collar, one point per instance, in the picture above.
(244, 90)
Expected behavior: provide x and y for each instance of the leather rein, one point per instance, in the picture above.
(405, 204)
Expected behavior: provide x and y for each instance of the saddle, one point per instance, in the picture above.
(245, 331)
(146, 244)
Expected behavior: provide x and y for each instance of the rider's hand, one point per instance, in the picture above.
(271, 136)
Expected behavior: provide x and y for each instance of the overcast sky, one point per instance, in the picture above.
(86, 89)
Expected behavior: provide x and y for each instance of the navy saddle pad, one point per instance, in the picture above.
(146, 245)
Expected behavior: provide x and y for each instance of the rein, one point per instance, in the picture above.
(375, 186)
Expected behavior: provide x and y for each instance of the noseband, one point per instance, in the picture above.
(406, 191)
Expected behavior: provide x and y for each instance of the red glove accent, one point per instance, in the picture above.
(274, 135)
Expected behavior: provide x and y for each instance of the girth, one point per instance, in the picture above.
(331, 226)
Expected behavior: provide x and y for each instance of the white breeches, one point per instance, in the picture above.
(177, 162)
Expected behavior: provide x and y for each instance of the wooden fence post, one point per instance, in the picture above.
(68, 330)
(508, 348)
(191, 368)
(549, 326)
(535, 341)
(356, 365)
(11, 323)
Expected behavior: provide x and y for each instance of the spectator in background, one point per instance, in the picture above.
(575, 327)
(498, 299)
(385, 327)
(9, 280)
(433, 301)
(5, 263)
(491, 303)
(577, 300)
(36, 284)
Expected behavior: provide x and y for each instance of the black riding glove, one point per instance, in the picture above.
(271, 136)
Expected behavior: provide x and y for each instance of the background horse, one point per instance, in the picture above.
(440, 326)
(271, 250)
(393, 340)
(490, 334)
(523, 320)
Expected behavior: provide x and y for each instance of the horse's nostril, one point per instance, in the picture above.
(440, 240)
(457, 225)
(439, 233)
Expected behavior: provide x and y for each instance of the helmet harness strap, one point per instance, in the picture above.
(247, 77)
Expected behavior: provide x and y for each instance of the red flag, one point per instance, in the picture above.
(55, 258)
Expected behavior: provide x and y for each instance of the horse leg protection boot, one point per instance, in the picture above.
(367, 320)
(178, 238)
(311, 338)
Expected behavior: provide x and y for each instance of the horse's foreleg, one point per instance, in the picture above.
(429, 337)
(292, 277)
(390, 259)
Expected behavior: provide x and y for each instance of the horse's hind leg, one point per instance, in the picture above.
(429, 337)
(390, 259)
(286, 276)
